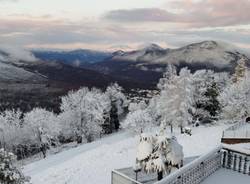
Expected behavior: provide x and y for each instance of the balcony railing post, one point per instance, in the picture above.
(245, 166)
(224, 159)
(235, 162)
(240, 163)
(229, 160)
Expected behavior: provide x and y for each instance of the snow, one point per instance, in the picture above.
(224, 176)
(145, 147)
(243, 148)
(92, 163)
(176, 154)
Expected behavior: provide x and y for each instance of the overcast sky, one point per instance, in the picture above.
(122, 24)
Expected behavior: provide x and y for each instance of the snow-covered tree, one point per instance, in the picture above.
(206, 90)
(133, 106)
(118, 104)
(144, 150)
(158, 154)
(9, 174)
(83, 113)
(116, 95)
(138, 121)
(175, 103)
(44, 127)
(235, 99)
(10, 125)
(240, 71)
(42, 122)
(157, 161)
(168, 77)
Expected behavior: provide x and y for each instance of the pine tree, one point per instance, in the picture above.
(212, 104)
(114, 121)
(240, 71)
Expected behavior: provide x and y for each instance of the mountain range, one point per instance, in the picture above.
(26, 83)
(147, 64)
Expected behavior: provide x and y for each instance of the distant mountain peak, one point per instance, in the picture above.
(118, 53)
(152, 47)
(210, 44)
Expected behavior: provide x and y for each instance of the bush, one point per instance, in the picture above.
(9, 174)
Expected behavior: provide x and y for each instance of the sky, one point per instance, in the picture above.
(122, 24)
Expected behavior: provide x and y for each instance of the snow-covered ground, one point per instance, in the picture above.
(92, 163)
(224, 176)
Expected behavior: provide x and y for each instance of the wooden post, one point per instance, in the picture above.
(245, 166)
(240, 163)
(235, 162)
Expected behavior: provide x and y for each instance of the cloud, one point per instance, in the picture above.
(127, 30)
(18, 53)
(140, 15)
(9, 0)
(206, 13)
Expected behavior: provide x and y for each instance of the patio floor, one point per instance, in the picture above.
(225, 176)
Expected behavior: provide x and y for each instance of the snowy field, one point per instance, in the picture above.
(92, 163)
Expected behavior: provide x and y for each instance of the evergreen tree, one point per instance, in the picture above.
(212, 104)
(114, 121)
(240, 71)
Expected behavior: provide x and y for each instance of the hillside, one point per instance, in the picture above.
(77, 58)
(27, 84)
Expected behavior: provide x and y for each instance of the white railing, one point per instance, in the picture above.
(239, 130)
(236, 159)
(119, 178)
(196, 171)
(201, 168)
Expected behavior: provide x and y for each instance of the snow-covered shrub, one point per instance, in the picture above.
(138, 121)
(9, 174)
(158, 154)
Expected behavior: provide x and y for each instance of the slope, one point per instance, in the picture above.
(92, 163)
